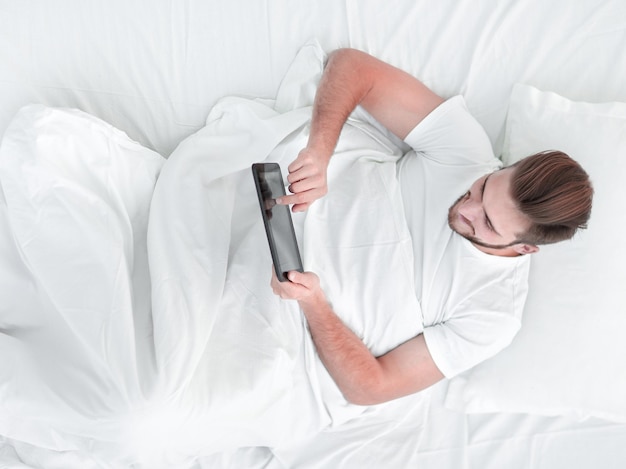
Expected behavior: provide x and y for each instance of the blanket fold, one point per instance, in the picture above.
(198, 356)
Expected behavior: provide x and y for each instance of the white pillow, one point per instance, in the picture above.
(570, 356)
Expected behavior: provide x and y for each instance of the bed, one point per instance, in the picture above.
(121, 113)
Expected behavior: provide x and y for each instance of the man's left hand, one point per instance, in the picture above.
(302, 287)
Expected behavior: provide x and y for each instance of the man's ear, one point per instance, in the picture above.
(523, 248)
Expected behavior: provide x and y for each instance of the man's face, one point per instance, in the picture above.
(488, 217)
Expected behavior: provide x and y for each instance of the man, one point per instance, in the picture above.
(471, 269)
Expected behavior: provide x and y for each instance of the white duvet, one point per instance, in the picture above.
(136, 307)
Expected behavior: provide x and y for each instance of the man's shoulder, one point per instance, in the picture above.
(451, 135)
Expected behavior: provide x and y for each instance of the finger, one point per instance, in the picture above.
(303, 185)
(291, 291)
(298, 198)
(308, 197)
(277, 286)
(296, 164)
(303, 172)
(288, 199)
(307, 280)
(300, 207)
(274, 281)
(295, 277)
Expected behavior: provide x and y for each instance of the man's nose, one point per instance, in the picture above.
(470, 210)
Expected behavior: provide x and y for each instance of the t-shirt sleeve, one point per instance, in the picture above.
(484, 322)
(486, 307)
(469, 339)
(452, 136)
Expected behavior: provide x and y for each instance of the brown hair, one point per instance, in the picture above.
(555, 193)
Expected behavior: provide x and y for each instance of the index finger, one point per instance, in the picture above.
(287, 199)
(299, 198)
(294, 201)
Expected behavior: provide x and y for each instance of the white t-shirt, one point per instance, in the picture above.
(471, 301)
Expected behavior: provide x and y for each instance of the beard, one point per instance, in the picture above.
(465, 231)
(454, 221)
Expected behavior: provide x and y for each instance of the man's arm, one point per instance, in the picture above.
(394, 98)
(362, 378)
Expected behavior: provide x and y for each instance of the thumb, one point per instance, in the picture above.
(297, 162)
(295, 276)
(307, 279)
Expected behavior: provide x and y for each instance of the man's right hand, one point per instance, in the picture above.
(307, 180)
(393, 97)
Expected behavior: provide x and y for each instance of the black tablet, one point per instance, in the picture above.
(277, 219)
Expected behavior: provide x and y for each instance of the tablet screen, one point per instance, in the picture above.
(277, 219)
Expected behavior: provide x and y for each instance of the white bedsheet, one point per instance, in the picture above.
(155, 69)
(228, 364)
(76, 320)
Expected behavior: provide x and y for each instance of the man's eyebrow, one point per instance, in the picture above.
(486, 215)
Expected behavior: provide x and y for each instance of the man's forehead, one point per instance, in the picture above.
(499, 205)
(486, 210)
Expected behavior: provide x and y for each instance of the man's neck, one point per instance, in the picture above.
(500, 252)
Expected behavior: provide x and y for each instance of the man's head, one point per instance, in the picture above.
(542, 199)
